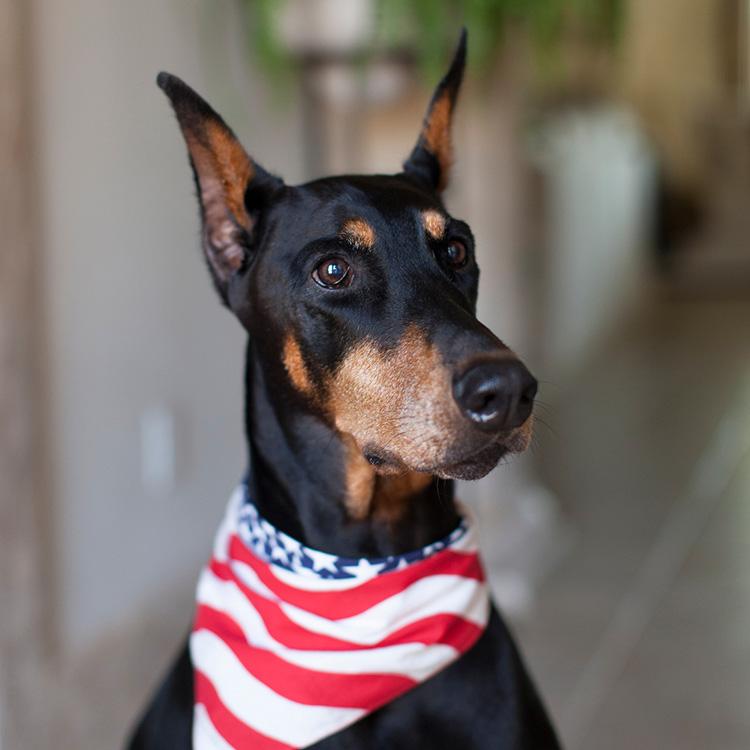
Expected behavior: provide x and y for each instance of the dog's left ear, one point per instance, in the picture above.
(431, 159)
(232, 188)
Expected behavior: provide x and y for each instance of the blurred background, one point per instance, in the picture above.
(603, 161)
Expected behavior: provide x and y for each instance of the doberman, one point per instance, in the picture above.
(370, 385)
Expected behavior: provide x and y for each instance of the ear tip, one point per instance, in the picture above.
(163, 80)
(460, 56)
(452, 80)
(169, 83)
(183, 99)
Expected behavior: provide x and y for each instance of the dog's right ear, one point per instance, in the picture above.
(232, 188)
(431, 158)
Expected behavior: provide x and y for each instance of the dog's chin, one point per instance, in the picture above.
(475, 466)
(460, 463)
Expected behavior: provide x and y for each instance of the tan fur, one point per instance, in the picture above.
(360, 480)
(382, 497)
(235, 170)
(224, 171)
(520, 439)
(437, 135)
(295, 365)
(434, 223)
(219, 157)
(393, 492)
(359, 233)
(396, 399)
(399, 399)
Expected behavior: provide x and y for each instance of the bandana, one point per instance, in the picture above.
(291, 644)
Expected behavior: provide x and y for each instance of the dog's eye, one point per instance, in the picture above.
(456, 254)
(333, 273)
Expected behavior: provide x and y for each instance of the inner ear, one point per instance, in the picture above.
(431, 159)
(231, 187)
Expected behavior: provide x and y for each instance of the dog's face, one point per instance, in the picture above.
(359, 294)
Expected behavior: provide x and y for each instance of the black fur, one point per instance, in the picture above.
(298, 456)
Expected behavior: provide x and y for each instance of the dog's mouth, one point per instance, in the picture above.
(477, 462)
(471, 464)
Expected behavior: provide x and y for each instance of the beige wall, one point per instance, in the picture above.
(675, 54)
(22, 537)
(132, 319)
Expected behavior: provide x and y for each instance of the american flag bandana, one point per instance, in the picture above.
(291, 645)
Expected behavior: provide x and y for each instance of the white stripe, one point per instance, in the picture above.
(442, 594)
(313, 582)
(469, 542)
(250, 578)
(445, 594)
(257, 705)
(205, 735)
(414, 660)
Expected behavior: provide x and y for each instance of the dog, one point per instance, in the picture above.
(345, 606)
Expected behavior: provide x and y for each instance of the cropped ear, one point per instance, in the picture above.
(431, 159)
(231, 187)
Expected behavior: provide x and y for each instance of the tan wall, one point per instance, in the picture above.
(675, 56)
(22, 539)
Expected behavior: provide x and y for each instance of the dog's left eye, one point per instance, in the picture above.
(333, 273)
(456, 254)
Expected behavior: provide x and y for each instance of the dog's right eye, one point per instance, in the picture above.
(333, 273)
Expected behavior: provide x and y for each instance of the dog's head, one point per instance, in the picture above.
(359, 293)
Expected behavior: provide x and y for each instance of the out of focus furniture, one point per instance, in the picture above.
(597, 180)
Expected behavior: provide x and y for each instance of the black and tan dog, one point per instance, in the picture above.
(370, 385)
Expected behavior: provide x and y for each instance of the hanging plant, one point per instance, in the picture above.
(428, 28)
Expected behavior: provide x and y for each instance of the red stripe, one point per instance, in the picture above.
(336, 605)
(447, 629)
(235, 732)
(299, 684)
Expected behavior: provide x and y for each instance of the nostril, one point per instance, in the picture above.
(483, 403)
(496, 395)
(487, 400)
(529, 392)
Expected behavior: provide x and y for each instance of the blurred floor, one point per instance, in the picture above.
(641, 637)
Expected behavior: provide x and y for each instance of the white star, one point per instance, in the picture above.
(291, 545)
(256, 533)
(322, 560)
(279, 553)
(364, 568)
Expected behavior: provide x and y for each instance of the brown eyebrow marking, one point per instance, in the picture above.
(434, 223)
(358, 232)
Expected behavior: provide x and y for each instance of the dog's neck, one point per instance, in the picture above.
(310, 481)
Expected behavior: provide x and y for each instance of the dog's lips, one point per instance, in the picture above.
(473, 466)
(462, 463)
(479, 462)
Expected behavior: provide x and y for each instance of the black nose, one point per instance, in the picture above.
(496, 395)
